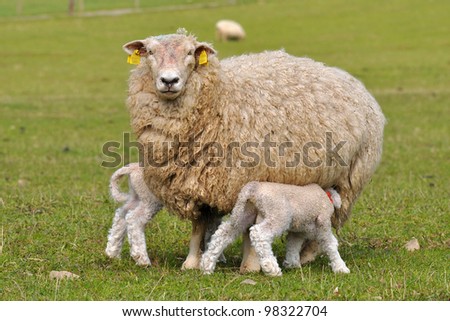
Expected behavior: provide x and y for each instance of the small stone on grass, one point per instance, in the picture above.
(412, 245)
(59, 275)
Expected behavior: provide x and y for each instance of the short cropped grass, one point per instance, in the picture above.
(63, 86)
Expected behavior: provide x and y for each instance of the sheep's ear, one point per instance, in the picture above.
(199, 55)
(132, 46)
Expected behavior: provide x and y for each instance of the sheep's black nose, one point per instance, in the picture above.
(170, 81)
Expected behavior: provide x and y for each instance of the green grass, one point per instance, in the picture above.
(63, 86)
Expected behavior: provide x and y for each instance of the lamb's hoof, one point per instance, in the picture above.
(191, 263)
(207, 266)
(207, 271)
(142, 260)
(341, 269)
(274, 273)
(144, 263)
(113, 254)
(271, 268)
(222, 259)
(291, 265)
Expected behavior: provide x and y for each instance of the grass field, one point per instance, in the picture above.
(62, 92)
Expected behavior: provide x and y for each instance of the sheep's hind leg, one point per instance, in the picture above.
(261, 236)
(116, 234)
(136, 222)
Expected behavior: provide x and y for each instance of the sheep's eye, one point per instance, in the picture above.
(149, 52)
(190, 53)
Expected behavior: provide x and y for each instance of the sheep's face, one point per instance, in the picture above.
(171, 59)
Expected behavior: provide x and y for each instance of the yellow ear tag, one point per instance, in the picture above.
(135, 58)
(203, 58)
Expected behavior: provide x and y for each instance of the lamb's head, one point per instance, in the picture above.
(171, 59)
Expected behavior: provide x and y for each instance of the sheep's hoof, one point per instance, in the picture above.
(249, 267)
(191, 263)
(309, 252)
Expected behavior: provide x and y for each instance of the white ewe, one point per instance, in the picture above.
(304, 211)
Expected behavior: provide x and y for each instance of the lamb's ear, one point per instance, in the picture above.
(132, 46)
(203, 47)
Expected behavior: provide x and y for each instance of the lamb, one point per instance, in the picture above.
(208, 127)
(304, 211)
(140, 207)
(229, 30)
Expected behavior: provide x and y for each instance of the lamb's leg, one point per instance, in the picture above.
(116, 234)
(261, 236)
(329, 244)
(348, 195)
(136, 222)
(198, 233)
(211, 227)
(223, 237)
(294, 242)
(242, 217)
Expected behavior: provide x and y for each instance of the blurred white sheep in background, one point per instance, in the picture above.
(227, 30)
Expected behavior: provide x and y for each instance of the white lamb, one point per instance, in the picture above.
(272, 208)
(141, 205)
(139, 208)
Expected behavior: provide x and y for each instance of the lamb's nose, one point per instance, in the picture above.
(170, 81)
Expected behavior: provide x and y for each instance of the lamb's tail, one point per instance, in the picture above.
(334, 197)
(116, 194)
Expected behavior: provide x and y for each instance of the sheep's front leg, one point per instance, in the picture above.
(116, 234)
(198, 233)
(309, 252)
(250, 261)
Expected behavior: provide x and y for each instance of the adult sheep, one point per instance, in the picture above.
(229, 30)
(208, 127)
